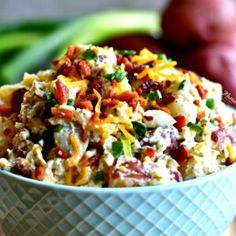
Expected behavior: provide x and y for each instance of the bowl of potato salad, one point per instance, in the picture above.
(116, 142)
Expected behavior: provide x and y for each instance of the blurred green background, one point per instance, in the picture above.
(32, 33)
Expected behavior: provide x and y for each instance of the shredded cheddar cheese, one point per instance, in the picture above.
(230, 152)
(128, 136)
(98, 105)
(144, 57)
(70, 83)
(76, 155)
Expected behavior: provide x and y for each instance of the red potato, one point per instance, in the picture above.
(190, 22)
(217, 62)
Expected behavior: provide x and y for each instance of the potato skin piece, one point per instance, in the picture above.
(187, 23)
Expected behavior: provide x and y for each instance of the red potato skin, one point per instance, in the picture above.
(190, 22)
(216, 62)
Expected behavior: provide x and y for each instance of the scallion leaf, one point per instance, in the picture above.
(195, 127)
(127, 148)
(155, 95)
(210, 103)
(89, 54)
(99, 176)
(127, 52)
(118, 75)
(139, 129)
(58, 127)
(48, 96)
(162, 57)
(117, 148)
(182, 84)
(70, 101)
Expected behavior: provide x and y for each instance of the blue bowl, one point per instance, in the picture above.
(203, 206)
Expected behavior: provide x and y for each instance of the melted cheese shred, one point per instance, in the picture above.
(71, 83)
(98, 105)
(128, 136)
(76, 156)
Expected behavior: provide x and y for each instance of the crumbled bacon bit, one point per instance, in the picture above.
(201, 91)
(84, 68)
(95, 117)
(196, 102)
(109, 102)
(128, 64)
(5, 110)
(220, 122)
(130, 97)
(62, 92)
(63, 154)
(66, 67)
(7, 131)
(119, 59)
(62, 113)
(181, 121)
(180, 155)
(72, 51)
(168, 83)
(84, 105)
(93, 160)
(39, 173)
(139, 91)
(150, 152)
(168, 98)
(17, 99)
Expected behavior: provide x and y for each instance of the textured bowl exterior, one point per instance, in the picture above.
(205, 206)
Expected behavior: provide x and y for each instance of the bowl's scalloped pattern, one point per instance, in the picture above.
(204, 209)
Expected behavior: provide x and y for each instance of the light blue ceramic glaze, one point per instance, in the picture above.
(204, 206)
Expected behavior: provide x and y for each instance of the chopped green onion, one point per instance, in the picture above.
(127, 52)
(139, 129)
(89, 54)
(213, 121)
(118, 75)
(58, 127)
(182, 84)
(155, 95)
(210, 103)
(117, 148)
(195, 127)
(70, 101)
(48, 96)
(99, 176)
(127, 148)
(162, 57)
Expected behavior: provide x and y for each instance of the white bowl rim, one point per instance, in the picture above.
(118, 190)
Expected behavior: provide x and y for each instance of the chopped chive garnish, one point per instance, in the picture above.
(48, 96)
(162, 57)
(213, 121)
(118, 75)
(99, 176)
(182, 84)
(89, 54)
(117, 148)
(70, 101)
(58, 127)
(195, 127)
(155, 95)
(127, 52)
(127, 148)
(210, 103)
(139, 129)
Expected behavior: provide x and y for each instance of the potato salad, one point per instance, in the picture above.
(108, 118)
